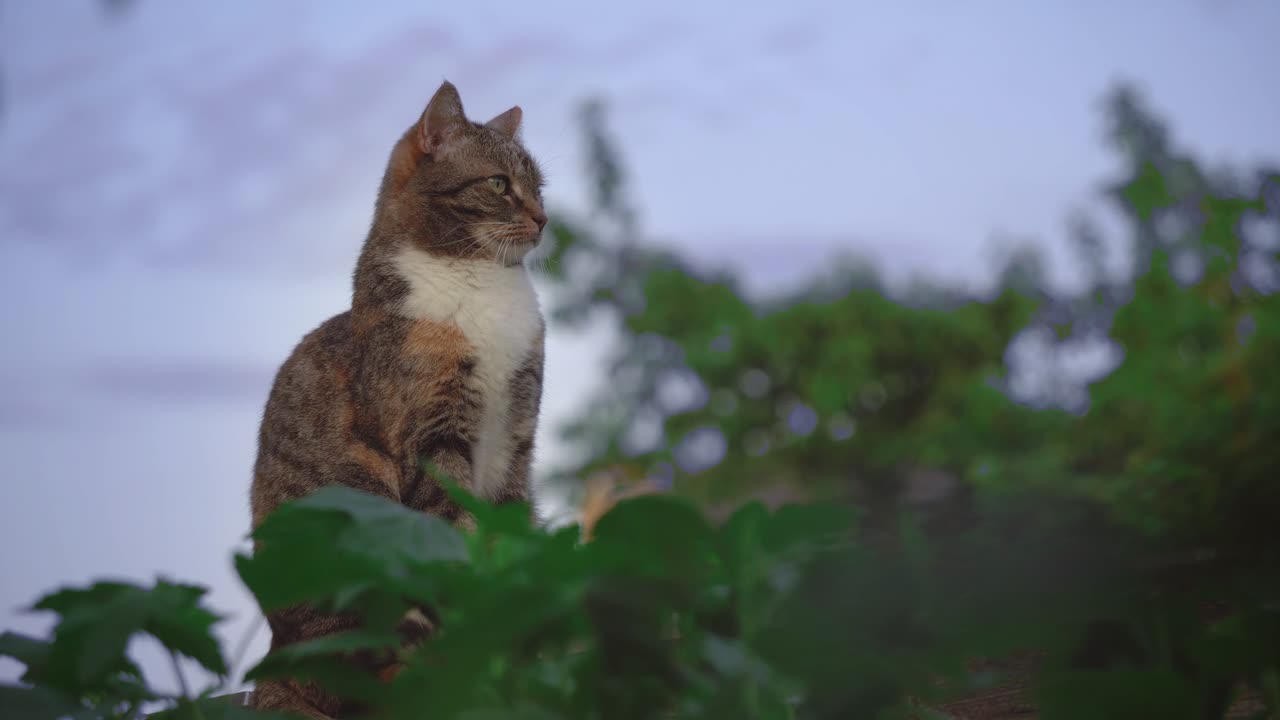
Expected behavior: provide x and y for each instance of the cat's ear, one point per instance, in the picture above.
(442, 121)
(508, 123)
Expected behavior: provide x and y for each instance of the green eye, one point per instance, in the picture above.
(499, 184)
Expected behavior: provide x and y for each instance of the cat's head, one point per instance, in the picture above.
(464, 189)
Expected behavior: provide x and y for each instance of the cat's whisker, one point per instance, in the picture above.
(540, 264)
(482, 241)
(477, 244)
(482, 234)
(465, 226)
(472, 243)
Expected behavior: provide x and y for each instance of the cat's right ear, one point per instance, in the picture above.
(442, 121)
(508, 123)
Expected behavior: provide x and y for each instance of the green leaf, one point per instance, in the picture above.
(217, 708)
(1118, 694)
(654, 535)
(519, 712)
(339, 541)
(176, 618)
(733, 659)
(808, 527)
(379, 528)
(360, 506)
(327, 661)
(511, 519)
(97, 622)
(282, 660)
(91, 638)
(300, 561)
(335, 675)
(38, 703)
(26, 650)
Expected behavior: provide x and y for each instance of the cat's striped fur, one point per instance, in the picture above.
(438, 361)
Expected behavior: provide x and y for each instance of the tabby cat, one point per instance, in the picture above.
(438, 363)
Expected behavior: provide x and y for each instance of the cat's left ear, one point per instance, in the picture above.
(508, 123)
(442, 121)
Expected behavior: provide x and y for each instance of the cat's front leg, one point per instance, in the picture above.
(444, 455)
(441, 458)
(526, 399)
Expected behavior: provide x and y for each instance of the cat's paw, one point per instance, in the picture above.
(466, 522)
(415, 627)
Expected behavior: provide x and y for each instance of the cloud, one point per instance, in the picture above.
(198, 158)
(19, 411)
(791, 39)
(67, 398)
(181, 382)
(671, 100)
(237, 152)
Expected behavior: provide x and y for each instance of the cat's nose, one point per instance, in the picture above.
(539, 217)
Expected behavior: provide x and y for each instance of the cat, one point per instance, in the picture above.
(438, 363)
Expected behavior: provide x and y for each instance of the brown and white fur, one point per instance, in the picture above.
(438, 363)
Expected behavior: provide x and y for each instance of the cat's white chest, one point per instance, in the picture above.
(497, 309)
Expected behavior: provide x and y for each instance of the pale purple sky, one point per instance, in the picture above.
(183, 190)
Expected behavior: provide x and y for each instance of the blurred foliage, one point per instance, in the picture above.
(849, 389)
(863, 499)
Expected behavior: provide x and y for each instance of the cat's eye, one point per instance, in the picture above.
(498, 184)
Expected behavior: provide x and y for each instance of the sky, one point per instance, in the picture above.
(184, 189)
